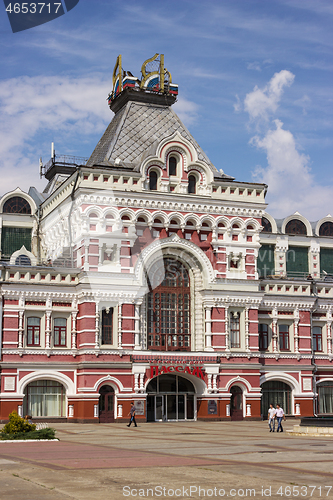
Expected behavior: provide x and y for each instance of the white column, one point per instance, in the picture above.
(208, 328)
(274, 330)
(227, 410)
(73, 332)
(297, 409)
(120, 307)
(329, 336)
(137, 325)
(227, 333)
(142, 377)
(70, 411)
(20, 329)
(86, 256)
(247, 348)
(97, 326)
(136, 382)
(209, 382)
(215, 382)
(100, 254)
(20, 410)
(120, 411)
(48, 330)
(248, 410)
(96, 411)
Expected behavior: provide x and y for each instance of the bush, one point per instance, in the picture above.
(17, 425)
(47, 433)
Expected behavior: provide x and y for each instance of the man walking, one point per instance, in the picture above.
(280, 415)
(132, 413)
(271, 418)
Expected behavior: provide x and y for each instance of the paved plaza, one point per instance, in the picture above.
(169, 460)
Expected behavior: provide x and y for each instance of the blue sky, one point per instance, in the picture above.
(255, 88)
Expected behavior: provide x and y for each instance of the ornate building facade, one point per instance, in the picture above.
(145, 274)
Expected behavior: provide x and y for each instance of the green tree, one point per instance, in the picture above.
(17, 425)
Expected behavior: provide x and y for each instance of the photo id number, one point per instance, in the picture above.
(33, 8)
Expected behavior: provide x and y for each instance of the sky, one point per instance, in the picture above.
(255, 88)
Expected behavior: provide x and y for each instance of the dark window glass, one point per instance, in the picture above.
(153, 181)
(45, 398)
(326, 229)
(284, 337)
(16, 205)
(326, 261)
(275, 392)
(317, 340)
(33, 331)
(168, 312)
(107, 317)
(267, 227)
(266, 261)
(295, 227)
(13, 238)
(263, 336)
(192, 181)
(325, 397)
(22, 260)
(234, 330)
(172, 166)
(60, 332)
(297, 262)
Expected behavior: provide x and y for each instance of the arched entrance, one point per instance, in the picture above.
(325, 397)
(44, 398)
(106, 404)
(170, 397)
(276, 392)
(236, 403)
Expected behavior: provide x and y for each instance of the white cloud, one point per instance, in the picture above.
(186, 110)
(291, 185)
(36, 109)
(254, 65)
(261, 103)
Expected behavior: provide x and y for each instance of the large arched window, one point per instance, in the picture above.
(325, 397)
(267, 226)
(192, 184)
(153, 180)
(16, 205)
(326, 229)
(169, 307)
(295, 226)
(45, 398)
(172, 166)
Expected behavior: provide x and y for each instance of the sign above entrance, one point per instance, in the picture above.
(197, 371)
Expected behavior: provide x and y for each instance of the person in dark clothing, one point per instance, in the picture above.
(132, 413)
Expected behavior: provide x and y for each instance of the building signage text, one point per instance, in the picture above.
(195, 370)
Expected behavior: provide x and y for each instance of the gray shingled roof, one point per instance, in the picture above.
(135, 132)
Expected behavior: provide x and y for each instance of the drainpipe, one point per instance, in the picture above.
(314, 384)
(1, 312)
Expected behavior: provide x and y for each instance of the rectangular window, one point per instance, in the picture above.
(33, 332)
(317, 339)
(284, 337)
(13, 238)
(263, 337)
(107, 319)
(60, 332)
(234, 330)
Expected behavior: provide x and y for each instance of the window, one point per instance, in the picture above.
(326, 229)
(33, 331)
(45, 398)
(267, 227)
(153, 180)
(317, 339)
(13, 238)
(234, 329)
(295, 226)
(284, 337)
(276, 392)
(192, 181)
(266, 261)
(172, 166)
(297, 262)
(263, 337)
(169, 307)
(60, 332)
(16, 205)
(326, 261)
(325, 396)
(22, 260)
(107, 320)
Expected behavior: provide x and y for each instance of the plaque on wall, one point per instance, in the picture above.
(307, 384)
(139, 407)
(212, 407)
(10, 383)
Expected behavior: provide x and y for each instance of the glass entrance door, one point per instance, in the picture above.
(159, 408)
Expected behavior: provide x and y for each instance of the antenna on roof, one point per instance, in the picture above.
(40, 167)
(52, 151)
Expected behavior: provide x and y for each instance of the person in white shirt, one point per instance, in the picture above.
(271, 418)
(279, 416)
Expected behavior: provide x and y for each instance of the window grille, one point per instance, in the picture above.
(16, 205)
(13, 238)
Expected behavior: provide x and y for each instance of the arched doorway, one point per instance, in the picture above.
(325, 397)
(276, 392)
(106, 404)
(236, 403)
(45, 398)
(170, 397)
